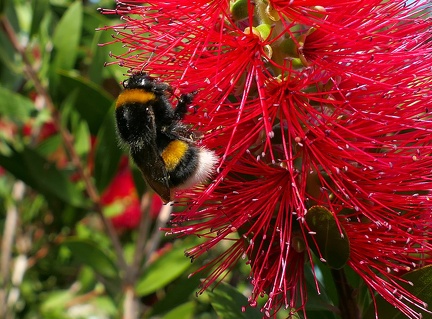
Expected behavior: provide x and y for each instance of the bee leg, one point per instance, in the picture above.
(160, 88)
(182, 105)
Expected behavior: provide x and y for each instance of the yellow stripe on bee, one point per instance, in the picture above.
(134, 96)
(173, 153)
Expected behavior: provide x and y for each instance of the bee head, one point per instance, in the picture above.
(142, 80)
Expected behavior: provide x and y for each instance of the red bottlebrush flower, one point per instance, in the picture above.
(129, 218)
(156, 206)
(308, 104)
(121, 200)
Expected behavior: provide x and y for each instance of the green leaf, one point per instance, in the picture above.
(334, 248)
(40, 8)
(90, 253)
(99, 57)
(184, 311)
(164, 270)
(49, 145)
(422, 288)
(67, 36)
(42, 175)
(91, 101)
(2, 7)
(317, 302)
(228, 303)
(54, 303)
(177, 294)
(82, 140)
(108, 153)
(100, 54)
(14, 106)
(319, 314)
(10, 66)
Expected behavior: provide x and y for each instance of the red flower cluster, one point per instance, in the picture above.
(307, 103)
(121, 202)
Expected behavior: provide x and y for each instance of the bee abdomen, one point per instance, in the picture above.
(174, 153)
(187, 164)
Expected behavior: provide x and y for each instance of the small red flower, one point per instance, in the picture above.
(121, 200)
(156, 206)
(307, 103)
(128, 219)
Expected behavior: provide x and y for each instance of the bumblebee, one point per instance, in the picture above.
(160, 144)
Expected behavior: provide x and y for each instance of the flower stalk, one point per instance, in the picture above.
(347, 303)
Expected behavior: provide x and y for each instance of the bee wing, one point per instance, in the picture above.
(150, 162)
(157, 177)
